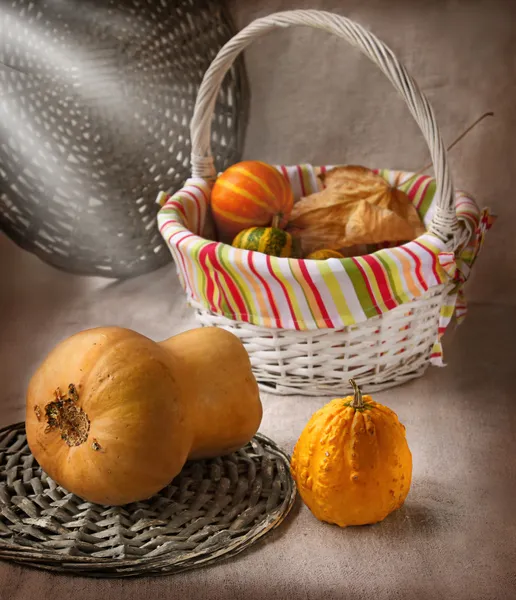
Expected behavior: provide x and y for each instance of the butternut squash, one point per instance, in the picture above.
(112, 416)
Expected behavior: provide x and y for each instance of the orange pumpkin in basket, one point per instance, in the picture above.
(250, 194)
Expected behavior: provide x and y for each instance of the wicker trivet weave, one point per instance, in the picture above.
(212, 510)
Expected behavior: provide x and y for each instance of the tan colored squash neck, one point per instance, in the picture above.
(220, 393)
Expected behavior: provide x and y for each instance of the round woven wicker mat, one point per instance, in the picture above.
(212, 510)
(96, 101)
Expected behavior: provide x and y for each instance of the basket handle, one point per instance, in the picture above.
(444, 222)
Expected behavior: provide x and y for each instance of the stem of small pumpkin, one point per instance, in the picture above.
(276, 221)
(358, 401)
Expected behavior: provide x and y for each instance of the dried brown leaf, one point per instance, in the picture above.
(371, 224)
(356, 207)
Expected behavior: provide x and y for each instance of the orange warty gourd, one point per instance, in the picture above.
(112, 416)
(352, 464)
(250, 194)
(324, 254)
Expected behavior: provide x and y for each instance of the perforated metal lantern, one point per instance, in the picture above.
(96, 98)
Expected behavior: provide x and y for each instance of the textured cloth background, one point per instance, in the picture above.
(455, 539)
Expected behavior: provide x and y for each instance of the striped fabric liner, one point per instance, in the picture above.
(303, 294)
(459, 268)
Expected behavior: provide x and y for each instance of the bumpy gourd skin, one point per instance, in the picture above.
(268, 240)
(353, 466)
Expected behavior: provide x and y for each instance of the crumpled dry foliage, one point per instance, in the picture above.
(356, 208)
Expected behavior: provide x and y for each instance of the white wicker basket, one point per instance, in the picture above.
(382, 351)
(322, 362)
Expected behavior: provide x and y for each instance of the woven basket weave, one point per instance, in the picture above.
(214, 509)
(96, 100)
(377, 350)
(316, 362)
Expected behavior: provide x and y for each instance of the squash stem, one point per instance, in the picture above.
(276, 221)
(358, 401)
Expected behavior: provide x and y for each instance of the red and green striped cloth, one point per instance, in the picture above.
(304, 294)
